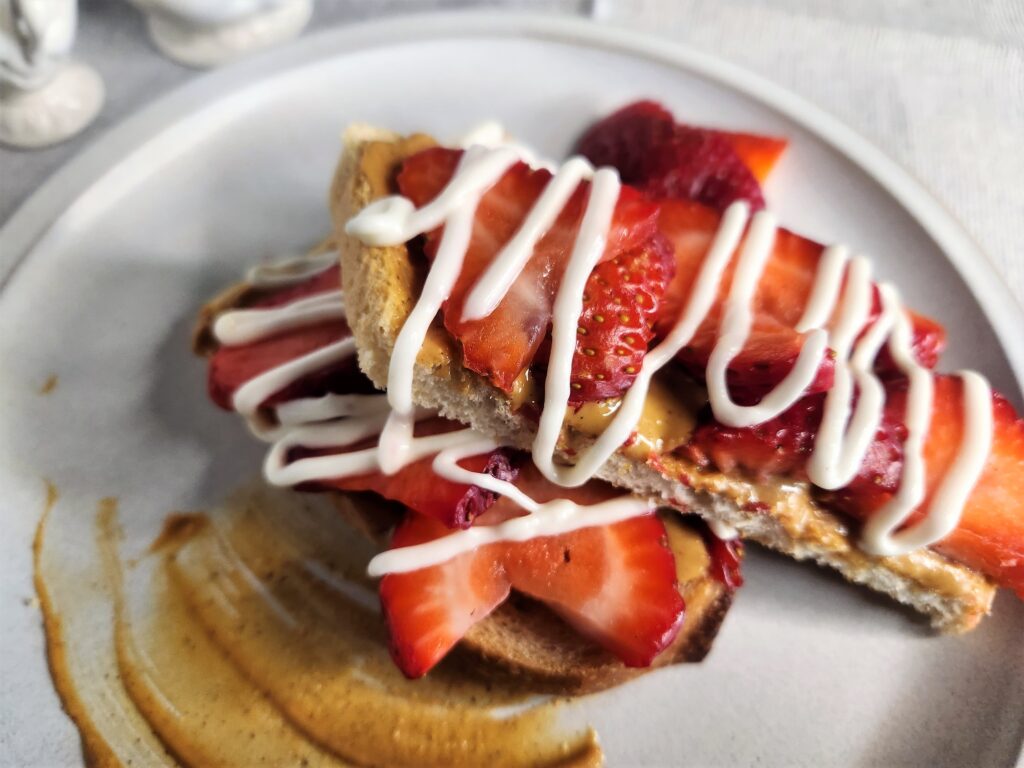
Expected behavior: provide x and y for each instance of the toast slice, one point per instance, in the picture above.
(382, 284)
(522, 640)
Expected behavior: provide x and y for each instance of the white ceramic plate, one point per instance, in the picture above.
(103, 269)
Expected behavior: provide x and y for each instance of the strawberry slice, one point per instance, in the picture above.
(779, 303)
(420, 489)
(428, 611)
(615, 584)
(232, 366)
(502, 345)
(990, 536)
(759, 153)
(664, 158)
(621, 301)
(778, 447)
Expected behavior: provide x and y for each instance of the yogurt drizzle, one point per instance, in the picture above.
(339, 421)
(844, 436)
(833, 318)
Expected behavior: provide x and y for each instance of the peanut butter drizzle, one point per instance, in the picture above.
(665, 423)
(76, 603)
(241, 638)
(49, 385)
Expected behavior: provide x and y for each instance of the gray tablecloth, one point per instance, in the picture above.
(939, 85)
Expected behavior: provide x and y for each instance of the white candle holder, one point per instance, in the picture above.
(207, 33)
(45, 96)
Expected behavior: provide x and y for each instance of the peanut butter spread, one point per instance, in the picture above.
(245, 636)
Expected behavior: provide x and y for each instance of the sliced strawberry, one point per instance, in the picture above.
(231, 367)
(626, 139)
(726, 560)
(779, 303)
(428, 611)
(778, 447)
(774, 344)
(990, 536)
(328, 280)
(759, 153)
(502, 345)
(621, 301)
(615, 584)
(418, 487)
(663, 158)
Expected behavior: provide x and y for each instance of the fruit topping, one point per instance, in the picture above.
(232, 366)
(503, 344)
(615, 584)
(419, 488)
(620, 303)
(778, 305)
(990, 535)
(666, 159)
(416, 486)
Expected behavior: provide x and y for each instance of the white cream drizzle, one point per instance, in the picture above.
(340, 421)
(291, 270)
(494, 284)
(737, 319)
(550, 519)
(242, 326)
(840, 448)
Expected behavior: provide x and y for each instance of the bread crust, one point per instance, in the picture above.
(381, 285)
(522, 641)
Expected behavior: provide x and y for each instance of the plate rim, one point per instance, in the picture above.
(53, 201)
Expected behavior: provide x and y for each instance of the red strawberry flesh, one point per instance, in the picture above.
(778, 305)
(615, 584)
(621, 300)
(666, 159)
(990, 535)
(503, 344)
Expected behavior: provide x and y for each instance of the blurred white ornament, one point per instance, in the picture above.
(45, 96)
(205, 33)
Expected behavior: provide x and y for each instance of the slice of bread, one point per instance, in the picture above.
(523, 641)
(382, 284)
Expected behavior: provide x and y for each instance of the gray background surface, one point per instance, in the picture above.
(938, 84)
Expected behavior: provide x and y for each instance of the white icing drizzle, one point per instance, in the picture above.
(290, 271)
(492, 286)
(249, 396)
(943, 513)
(394, 220)
(340, 421)
(568, 307)
(844, 438)
(242, 326)
(737, 319)
(550, 519)
(842, 441)
(491, 134)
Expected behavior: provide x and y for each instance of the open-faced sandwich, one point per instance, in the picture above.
(636, 316)
(593, 605)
